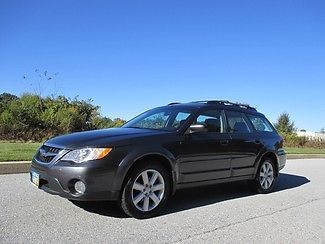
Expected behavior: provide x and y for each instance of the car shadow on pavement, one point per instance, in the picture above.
(105, 208)
(198, 197)
(203, 196)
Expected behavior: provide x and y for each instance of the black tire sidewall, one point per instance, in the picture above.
(127, 191)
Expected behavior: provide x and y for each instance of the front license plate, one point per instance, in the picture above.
(35, 178)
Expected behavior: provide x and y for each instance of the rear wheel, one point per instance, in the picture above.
(265, 177)
(146, 191)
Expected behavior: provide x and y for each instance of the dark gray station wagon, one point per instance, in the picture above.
(143, 163)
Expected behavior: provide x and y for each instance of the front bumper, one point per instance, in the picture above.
(59, 179)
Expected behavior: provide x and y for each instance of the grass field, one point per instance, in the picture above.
(24, 151)
(16, 151)
(297, 150)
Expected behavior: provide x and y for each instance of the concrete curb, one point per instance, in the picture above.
(14, 167)
(305, 156)
(23, 166)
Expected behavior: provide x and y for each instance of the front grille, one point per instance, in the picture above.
(46, 154)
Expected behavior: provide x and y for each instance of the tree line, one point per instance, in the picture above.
(30, 117)
(288, 131)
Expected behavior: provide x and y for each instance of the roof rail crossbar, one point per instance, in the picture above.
(226, 102)
(174, 103)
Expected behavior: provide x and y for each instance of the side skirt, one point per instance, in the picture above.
(214, 182)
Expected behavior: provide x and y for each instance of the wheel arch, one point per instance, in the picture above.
(271, 155)
(128, 164)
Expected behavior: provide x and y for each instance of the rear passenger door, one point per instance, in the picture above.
(243, 145)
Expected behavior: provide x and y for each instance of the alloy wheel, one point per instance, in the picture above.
(266, 175)
(148, 190)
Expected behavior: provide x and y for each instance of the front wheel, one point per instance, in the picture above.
(265, 177)
(146, 191)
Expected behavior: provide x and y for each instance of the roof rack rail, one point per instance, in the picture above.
(174, 103)
(227, 103)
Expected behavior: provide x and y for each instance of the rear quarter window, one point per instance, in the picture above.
(260, 123)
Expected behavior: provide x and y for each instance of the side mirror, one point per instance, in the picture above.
(197, 128)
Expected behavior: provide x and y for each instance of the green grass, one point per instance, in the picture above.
(17, 151)
(297, 150)
(24, 151)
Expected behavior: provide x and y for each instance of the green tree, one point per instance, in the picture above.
(284, 125)
(33, 117)
(118, 122)
(5, 99)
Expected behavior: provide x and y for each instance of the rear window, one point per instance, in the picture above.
(260, 123)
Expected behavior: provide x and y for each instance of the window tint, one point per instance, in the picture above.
(212, 119)
(237, 122)
(260, 123)
(180, 118)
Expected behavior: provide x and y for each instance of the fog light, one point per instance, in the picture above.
(80, 187)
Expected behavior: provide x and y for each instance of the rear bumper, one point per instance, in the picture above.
(59, 180)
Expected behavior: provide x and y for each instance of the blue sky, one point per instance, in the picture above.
(129, 56)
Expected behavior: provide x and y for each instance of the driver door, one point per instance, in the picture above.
(205, 156)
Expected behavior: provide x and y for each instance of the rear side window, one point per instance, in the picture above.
(260, 123)
(237, 122)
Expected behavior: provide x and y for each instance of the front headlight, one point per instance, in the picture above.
(86, 154)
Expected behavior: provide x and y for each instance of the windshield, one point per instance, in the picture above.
(166, 118)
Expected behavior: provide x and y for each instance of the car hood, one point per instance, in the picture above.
(98, 138)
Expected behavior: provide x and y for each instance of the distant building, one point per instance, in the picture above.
(311, 135)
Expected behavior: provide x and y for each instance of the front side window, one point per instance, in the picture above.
(260, 123)
(237, 122)
(165, 118)
(211, 119)
(180, 119)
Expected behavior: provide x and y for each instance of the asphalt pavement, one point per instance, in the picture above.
(227, 213)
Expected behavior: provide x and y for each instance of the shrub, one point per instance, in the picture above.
(32, 117)
(293, 140)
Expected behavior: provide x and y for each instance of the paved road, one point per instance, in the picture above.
(229, 213)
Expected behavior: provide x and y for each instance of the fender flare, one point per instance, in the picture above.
(262, 156)
(126, 164)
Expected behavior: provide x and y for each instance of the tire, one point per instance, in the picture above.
(146, 190)
(265, 177)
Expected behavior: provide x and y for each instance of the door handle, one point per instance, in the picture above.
(224, 142)
(255, 141)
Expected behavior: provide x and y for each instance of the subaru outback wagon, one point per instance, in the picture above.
(143, 163)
